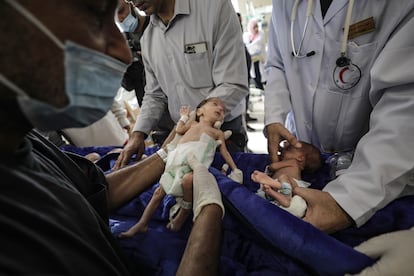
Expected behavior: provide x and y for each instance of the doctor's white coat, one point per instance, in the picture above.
(375, 117)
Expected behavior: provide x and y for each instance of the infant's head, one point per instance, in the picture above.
(308, 155)
(213, 109)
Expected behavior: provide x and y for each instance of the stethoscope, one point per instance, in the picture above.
(346, 74)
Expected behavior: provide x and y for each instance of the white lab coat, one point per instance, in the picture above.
(375, 117)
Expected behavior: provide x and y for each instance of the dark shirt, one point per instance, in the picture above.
(53, 214)
(325, 6)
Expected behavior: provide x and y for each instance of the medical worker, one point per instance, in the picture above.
(344, 70)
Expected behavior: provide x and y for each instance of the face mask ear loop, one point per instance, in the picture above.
(29, 16)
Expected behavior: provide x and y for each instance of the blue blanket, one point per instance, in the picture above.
(258, 237)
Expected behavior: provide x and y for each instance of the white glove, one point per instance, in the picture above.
(395, 253)
(205, 187)
(236, 175)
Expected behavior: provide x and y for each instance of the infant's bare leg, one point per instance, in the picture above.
(283, 200)
(288, 179)
(261, 177)
(142, 225)
(177, 222)
(284, 194)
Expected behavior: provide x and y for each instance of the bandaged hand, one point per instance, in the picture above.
(218, 124)
(227, 134)
(205, 187)
(394, 252)
(184, 112)
(236, 175)
(185, 119)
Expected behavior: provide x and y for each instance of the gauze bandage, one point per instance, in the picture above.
(227, 134)
(236, 175)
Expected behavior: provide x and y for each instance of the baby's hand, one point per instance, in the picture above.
(185, 110)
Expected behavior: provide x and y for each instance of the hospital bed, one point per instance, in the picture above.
(258, 237)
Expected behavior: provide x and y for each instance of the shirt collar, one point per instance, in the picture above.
(181, 7)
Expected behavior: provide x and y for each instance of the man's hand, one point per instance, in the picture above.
(275, 134)
(323, 212)
(394, 251)
(135, 145)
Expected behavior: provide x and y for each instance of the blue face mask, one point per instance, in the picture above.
(129, 24)
(91, 82)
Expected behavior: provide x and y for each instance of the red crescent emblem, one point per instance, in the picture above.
(342, 72)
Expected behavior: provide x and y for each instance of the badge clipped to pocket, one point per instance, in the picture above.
(195, 48)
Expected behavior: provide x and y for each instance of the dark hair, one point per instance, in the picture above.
(314, 159)
(201, 104)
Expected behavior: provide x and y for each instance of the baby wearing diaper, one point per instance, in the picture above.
(287, 173)
(198, 139)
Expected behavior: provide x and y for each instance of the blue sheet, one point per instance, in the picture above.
(258, 237)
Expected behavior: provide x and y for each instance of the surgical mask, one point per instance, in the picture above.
(91, 82)
(129, 24)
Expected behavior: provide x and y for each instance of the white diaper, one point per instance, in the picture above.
(177, 166)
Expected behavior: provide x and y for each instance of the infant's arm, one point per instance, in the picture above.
(224, 152)
(290, 167)
(184, 123)
(283, 164)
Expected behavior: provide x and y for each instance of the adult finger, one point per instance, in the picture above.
(273, 140)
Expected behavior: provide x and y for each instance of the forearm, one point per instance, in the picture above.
(126, 183)
(201, 256)
(183, 125)
(180, 128)
(287, 167)
(227, 157)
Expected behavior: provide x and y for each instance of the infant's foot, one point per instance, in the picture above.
(261, 177)
(283, 200)
(256, 176)
(136, 229)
